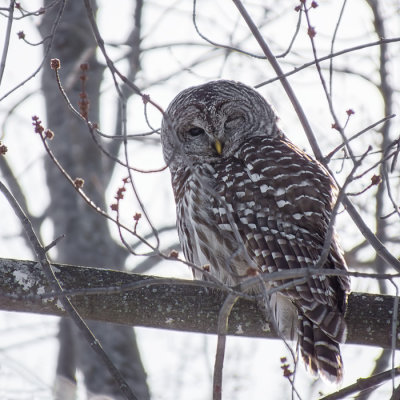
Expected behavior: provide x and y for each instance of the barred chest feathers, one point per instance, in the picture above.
(205, 242)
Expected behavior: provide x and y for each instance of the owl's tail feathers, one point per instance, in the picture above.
(330, 321)
(321, 354)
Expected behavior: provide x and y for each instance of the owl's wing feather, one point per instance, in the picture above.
(283, 201)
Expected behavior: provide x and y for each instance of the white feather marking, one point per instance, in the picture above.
(265, 169)
(311, 213)
(225, 227)
(276, 254)
(328, 361)
(280, 191)
(264, 188)
(298, 185)
(282, 203)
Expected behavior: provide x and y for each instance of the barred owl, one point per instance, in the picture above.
(248, 199)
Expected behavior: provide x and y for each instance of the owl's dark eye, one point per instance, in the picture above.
(196, 131)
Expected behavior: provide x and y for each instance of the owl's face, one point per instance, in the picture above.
(208, 122)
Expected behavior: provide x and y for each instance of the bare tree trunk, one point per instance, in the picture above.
(381, 196)
(87, 238)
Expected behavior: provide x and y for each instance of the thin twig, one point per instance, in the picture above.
(286, 52)
(332, 45)
(223, 318)
(53, 243)
(7, 39)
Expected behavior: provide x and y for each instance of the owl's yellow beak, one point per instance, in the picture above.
(218, 146)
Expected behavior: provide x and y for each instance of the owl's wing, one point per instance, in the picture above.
(282, 202)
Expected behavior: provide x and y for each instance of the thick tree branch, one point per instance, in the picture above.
(173, 304)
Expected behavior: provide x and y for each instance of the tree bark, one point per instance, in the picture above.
(172, 303)
(87, 238)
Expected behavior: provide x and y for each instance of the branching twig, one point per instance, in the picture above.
(92, 127)
(285, 53)
(356, 135)
(46, 51)
(328, 57)
(329, 233)
(218, 45)
(337, 124)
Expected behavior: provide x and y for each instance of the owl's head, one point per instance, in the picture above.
(208, 122)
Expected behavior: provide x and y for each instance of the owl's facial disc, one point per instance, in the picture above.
(209, 122)
(213, 130)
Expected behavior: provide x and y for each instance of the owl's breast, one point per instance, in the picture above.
(204, 243)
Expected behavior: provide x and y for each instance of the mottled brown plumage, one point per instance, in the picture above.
(247, 197)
